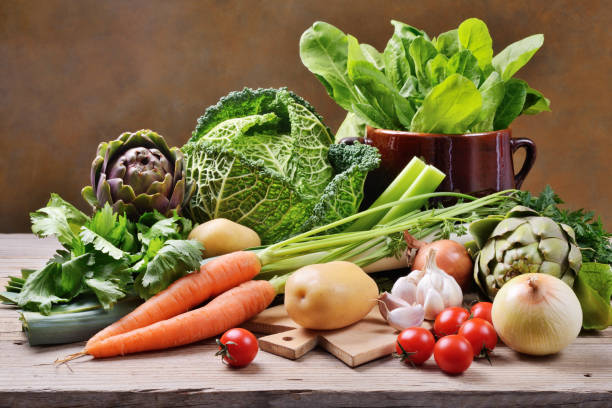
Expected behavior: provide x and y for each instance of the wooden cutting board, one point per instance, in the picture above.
(364, 341)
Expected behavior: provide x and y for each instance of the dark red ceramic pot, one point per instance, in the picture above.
(474, 163)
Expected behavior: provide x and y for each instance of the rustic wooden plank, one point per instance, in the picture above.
(579, 368)
(19, 246)
(193, 376)
(204, 397)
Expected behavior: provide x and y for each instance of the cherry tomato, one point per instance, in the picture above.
(238, 347)
(482, 310)
(453, 354)
(449, 320)
(480, 334)
(414, 345)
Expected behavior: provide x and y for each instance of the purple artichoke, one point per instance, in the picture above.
(137, 173)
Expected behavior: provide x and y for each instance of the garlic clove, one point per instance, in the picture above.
(422, 288)
(387, 302)
(437, 279)
(433, 304)
(451, 293)
(405, 289)
(415, 276)
(407, 316)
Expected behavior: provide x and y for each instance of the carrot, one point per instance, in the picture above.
(227, 310)
(214, 277)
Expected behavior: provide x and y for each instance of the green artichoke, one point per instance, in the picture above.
(523, 242)
(138, 173)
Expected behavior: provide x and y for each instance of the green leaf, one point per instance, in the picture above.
(512, 104)
(295, 147)
(75, 217)
(236, 186)
(103, 221)
(351, 126)
(175, 259)
(448, 43)
(436, 69)
(535, 102)
(421, 51)
(404, 111)
(410, 88)
(343, 195)
(449, 107)
(372, 115)
(464, 63)
(372, 55)
(50, 221)
(108, 278)
(379, 92)
(516, 55)
(407, 32)
(593, 287)
(155, 225)
(58, 218)
(107, 293)
(474, 36)
(373, 84)
(39, 292)
(114, 228)
(324, 51)
(99, 243)
(599, 277)
(492, 91)
(70, 281)
(397, 65)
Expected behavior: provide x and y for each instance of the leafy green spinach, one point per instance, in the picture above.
(398, 88)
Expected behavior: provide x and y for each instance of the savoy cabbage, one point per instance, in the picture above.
(264, 159)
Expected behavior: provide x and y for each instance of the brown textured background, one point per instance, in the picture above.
(75, 73)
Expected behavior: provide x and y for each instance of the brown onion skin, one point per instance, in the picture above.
(451, 257)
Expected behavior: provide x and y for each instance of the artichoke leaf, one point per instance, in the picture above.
(554, 249)
(507, 225)
(545, 227)
(481, 229)
(520, 211)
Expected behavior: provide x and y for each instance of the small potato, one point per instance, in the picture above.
(222, 236)
(329, 296)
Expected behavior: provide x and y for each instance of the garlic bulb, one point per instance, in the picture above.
(432, 288)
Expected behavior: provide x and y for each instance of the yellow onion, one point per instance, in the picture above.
(537, 314)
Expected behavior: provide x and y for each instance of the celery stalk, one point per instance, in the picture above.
(393, 192)
(427, 182)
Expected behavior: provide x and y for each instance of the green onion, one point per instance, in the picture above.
(383, 241)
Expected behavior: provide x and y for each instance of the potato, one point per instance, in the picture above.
(329, 296)
(222, 236)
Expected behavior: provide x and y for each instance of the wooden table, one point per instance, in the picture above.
(193, 376)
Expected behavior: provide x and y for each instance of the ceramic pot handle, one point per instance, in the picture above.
(530, 157)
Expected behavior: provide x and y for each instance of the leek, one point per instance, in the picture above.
(76, 321)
